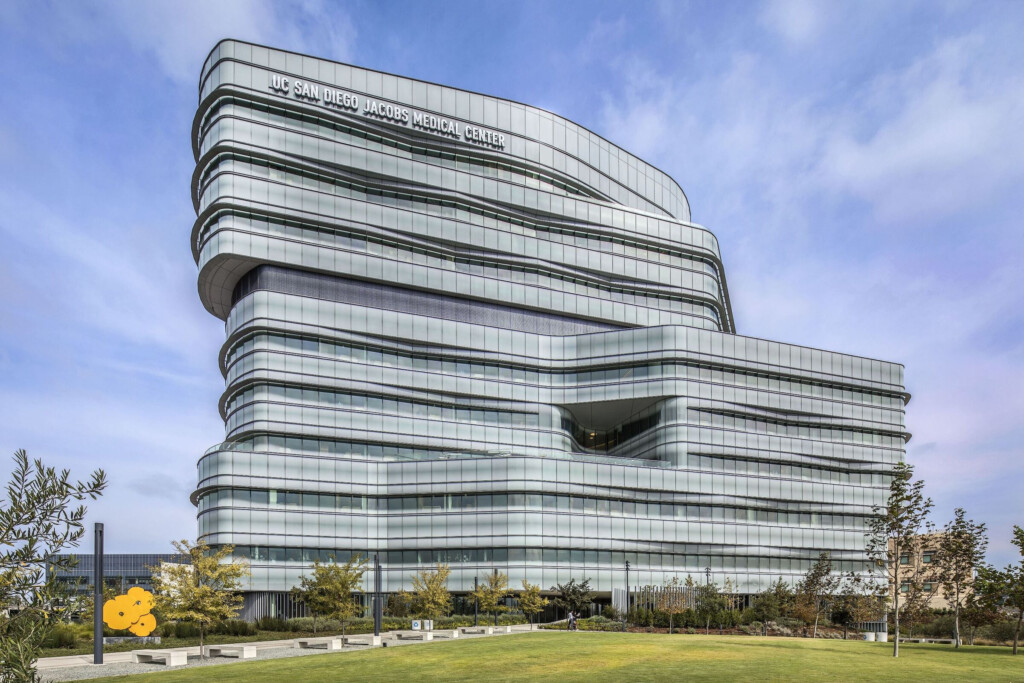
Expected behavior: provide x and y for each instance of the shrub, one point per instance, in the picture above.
(83, 631)
(640, 616)
(688, 619)
(303, 624)
(61, 635)
(185, 629)
(611, 612)
(1001, 631)
(754, 628)
(235, 627)
(726, 618)
(599, 623)
(941, 627)
(271, 624)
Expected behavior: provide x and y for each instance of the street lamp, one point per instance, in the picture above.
(707, 573)
(626, 615)
(97, 593)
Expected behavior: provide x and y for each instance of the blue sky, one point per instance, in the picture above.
(861, 163)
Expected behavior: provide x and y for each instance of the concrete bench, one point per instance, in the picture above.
(453, 633)
(168, 657)
(369, 640)
(240, 651)
(416, 635)
(327, 643)
(474, 630)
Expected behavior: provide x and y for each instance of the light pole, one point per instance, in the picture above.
(476, 603)
(97, 594)
(707, 573)
(626, 615)
(378, 607)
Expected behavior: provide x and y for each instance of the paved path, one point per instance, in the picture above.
(77, 667)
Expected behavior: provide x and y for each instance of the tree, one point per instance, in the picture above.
(895, 530)
(961, 551)
(708, 602)
(977, 612)
(38, 519)
(400, 604)
(1004, 589)
(203, 588)
(431, 599)
(530, 600)
(726, 616)
(816, 591)
(572, 596)
(328, 591)
(855, 603)
(490, 595)
(771, 603)
(672, 600)
(915, 602)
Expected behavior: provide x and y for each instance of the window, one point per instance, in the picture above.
(905, 587)
(904, 559)
(926, 558)
(927, 588)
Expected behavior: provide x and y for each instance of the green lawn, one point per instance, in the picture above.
(583, 656)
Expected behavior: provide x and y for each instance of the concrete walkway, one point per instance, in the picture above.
(77, 667)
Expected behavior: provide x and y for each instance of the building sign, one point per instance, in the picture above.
(333, 98)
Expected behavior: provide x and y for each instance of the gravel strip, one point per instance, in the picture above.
(75, 673)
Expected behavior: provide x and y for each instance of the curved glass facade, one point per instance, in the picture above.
(463, 329)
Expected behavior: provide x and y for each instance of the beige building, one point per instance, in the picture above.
(919, 577)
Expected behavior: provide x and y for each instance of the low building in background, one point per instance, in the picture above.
(121, 571)
(923, 564)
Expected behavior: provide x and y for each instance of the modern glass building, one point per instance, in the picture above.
(463, 329)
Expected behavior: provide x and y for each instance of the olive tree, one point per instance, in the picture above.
(41, 515)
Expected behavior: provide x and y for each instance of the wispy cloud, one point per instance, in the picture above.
(951, 140)
(872, 213)
(798, 22)
(859, 162)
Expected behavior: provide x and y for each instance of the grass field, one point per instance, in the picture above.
(585, 656)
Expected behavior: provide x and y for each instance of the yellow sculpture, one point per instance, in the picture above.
(131, 611)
